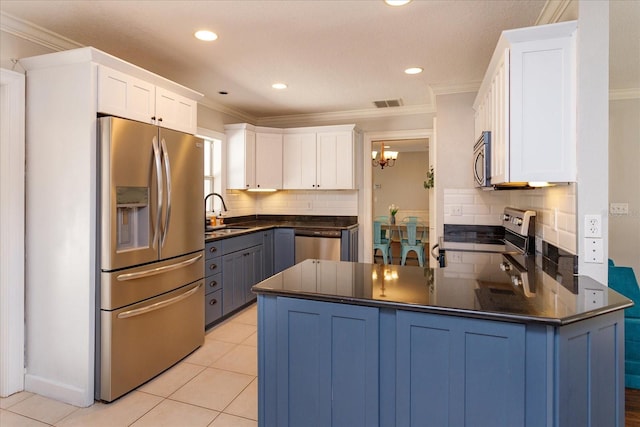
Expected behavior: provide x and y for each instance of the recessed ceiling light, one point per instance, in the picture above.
(413, 70)
(206, 35)
(279, 86)
(397, 2)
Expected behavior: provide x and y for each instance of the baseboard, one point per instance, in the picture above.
(62, 392)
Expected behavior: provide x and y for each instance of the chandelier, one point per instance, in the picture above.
(387, 158)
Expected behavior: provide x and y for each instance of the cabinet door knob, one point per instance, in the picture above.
(213, 301)
(213, 267)
(160, 119)
(213, 249)
(213, 284)
(153, 118)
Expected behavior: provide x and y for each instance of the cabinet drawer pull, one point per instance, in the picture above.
(213, 301)
(213, 267)
(213, 284)
(213, 249)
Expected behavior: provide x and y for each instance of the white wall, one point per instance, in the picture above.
(624, 182)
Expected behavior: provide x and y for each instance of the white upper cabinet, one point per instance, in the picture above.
(334, 151)
(123, 95)
(528, 102)
(320, 158)
(241, 151)
(299, 161)
(268, 160)
(254, 157)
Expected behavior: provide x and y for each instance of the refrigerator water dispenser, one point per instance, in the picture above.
(132, 206)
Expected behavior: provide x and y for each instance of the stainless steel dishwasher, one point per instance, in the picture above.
(317, 244)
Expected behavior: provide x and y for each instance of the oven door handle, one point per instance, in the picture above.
(157, 306)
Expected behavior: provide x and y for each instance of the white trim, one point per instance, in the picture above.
(365, 216)
(352, 115)
(552, 11)
(12, 152)
(35, 34)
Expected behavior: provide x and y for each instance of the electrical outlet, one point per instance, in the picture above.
(619, 208)
(593, 250)
(454, 256)
(592, 226)
(456, 210)
(593, 298)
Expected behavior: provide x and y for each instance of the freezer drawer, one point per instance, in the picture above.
(125, 287)
(140, 341)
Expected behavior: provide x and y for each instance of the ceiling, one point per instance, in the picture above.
(335, 56)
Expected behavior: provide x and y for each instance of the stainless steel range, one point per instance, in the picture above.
(501, 268)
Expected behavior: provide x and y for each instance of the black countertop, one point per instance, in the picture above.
(253, 223)
(436, 291)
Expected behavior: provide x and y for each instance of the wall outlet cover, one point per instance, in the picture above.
(593, 226)
(593, 250)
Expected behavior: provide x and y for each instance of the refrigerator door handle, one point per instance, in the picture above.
(162, 304)
(158, 161)
(158, 270)
(167, 171)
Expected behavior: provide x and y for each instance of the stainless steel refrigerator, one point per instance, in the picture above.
(151, 294)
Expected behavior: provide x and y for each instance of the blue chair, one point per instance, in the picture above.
(623, 281)
(381, 242)
(413, 236)
(411, 219)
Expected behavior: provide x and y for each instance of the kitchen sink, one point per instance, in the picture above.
(224, 231)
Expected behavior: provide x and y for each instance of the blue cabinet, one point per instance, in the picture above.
(284, 255)
(242, 269)
(331, 364)
(459, 371)
(213, 282)
(324, 365)
(267, 246)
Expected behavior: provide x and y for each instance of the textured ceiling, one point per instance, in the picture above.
(334, 55)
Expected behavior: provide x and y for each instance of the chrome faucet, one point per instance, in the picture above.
(224, 206)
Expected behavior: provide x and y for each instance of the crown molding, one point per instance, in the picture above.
(244, 117)
(350, 115)
(448, 89)
(552, 11)
(619, 94)
(35, 34)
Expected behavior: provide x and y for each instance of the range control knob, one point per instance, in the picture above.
(517, 281)
(505, 266)
(506, 217)
(517, 221)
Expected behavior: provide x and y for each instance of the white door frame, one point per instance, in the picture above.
(12, 158)
(365, 218)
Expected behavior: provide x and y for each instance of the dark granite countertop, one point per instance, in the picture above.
(252, 223)
(432, 290)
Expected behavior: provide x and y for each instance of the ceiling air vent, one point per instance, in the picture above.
(388, 103)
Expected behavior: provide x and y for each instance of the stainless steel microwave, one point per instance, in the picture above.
(482, 160)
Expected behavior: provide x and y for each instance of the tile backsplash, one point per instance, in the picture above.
(339, 203)
(555, 208)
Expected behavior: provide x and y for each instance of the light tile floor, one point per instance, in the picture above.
(215, 386)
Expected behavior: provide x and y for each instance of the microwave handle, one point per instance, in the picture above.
(475, 167)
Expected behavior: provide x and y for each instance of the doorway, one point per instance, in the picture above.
(416, 141)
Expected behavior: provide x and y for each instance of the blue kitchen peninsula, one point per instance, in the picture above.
(352, 344)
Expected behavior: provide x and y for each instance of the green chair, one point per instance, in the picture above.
(381, 242)
(413, 236)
